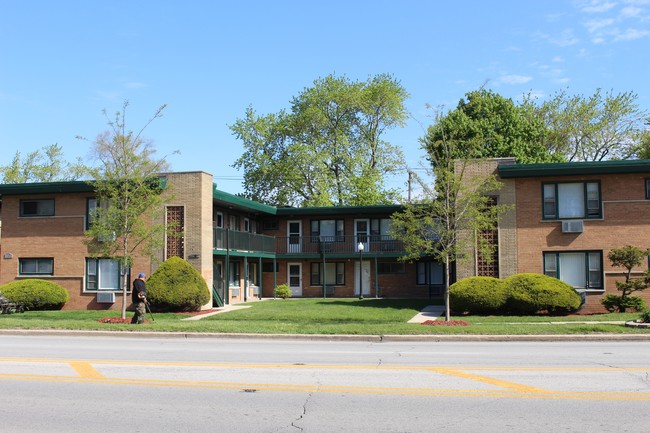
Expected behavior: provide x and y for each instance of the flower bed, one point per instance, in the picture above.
(445, 323)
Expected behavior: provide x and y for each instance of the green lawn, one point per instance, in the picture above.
(324, 316)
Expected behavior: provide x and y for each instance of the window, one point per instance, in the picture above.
(233, 222)
(36, 266)
(253, 274)
(327, 230)
(175, 242)
(219, 220)
(37, 208)
(103, 274)
(268, 267)
(647, 188)
(234, 276)
(571, 200)
(334, 273)
(381, 227)
(390, 268)
(429, 273)
(581, 270)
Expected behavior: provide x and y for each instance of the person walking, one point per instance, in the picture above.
(139, 298)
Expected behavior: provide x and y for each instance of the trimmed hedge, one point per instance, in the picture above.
(478, 295)
(532, 293)
(36, 294)
(177, 286)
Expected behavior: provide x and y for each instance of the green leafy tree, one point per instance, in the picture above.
(644, 145)
(128, 194)
(628, 257)
(43, 165)
(487, 125)
(593, 128)
(448, 220)
(328, 149)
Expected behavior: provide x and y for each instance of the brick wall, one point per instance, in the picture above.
(626, 221)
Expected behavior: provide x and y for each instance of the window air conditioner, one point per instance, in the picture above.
(105, 297)
(573, 226)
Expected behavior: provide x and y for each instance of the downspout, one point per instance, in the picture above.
(246, 282)
(227, 280)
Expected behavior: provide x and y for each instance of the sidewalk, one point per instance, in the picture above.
(430, 312)
(224, 309)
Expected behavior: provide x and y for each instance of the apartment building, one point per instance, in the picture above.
(563, 221)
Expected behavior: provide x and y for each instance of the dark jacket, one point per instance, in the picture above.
(138, 287)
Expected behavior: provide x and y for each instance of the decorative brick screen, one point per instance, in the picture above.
(489, 266)
(175, 228)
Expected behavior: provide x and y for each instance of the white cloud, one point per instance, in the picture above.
(596, 25)
(597, 6)
(630, 11)
(563, 39)
(631, 34)
(515, 79)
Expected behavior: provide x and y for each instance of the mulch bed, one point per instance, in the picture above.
(445, 323)
(128, 319)
(117, 320)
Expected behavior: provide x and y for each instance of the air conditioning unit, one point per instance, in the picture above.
(573, 226)
(105, 297)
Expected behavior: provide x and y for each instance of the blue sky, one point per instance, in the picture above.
(63, 62)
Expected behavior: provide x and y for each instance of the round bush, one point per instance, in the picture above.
(177, 286)
(283, 291)
(478, 295)
(36, 294)
(532, 293)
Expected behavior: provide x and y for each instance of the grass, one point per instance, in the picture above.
(325, 316)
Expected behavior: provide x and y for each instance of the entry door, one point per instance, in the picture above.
(361, 233)
(294, 229)
(217, 278)
(365, 278)
(294, 271)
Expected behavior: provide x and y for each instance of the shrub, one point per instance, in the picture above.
(177, 286)
(36, 294)
(532, 293)
(645, 316)
(478, 295)
(619, 303)
(283, 291)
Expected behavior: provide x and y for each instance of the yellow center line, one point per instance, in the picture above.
(85, 370)
(492, 381)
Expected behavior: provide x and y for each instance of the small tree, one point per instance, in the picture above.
(627, 257)
(128, 196)
(450, 217)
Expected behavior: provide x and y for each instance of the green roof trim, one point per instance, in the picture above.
(510, 171)
(45, 188)
(241, 202)
(340, 210)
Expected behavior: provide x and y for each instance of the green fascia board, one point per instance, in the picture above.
(45, 188)
(341, 210)
(240, 202)
(507, 171)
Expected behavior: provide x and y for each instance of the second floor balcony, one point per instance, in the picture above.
(375, 244)
(233, 240)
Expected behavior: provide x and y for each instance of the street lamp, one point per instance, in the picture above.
(360, 248)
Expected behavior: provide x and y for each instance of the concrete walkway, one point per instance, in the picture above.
(430, 312)
(219, 310)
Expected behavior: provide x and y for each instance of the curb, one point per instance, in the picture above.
(334, 337)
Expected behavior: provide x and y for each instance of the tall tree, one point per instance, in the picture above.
(328, 150)
(43, 165)
(593, 128)
(487, 125)
(128, 193)
(448, 219)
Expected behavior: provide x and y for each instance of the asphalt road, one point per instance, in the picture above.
(58, 383)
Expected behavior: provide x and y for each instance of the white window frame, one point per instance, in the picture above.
(95, 265)
(592, 268)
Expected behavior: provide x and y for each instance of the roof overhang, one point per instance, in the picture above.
(508, 171)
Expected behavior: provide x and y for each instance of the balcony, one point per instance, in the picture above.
(242, 241)
(374, 244)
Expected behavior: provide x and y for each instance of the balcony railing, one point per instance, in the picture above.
(242, 241)
(375, 244)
